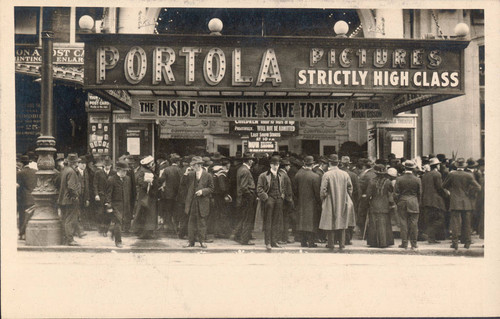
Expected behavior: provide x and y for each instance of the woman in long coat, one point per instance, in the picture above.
(147, 192)
(380, 196)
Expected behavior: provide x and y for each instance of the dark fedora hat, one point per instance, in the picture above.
(471, 163)
(73, 158)
(333, 158)
(308, 160)
(285, 162)
(323, 159)
(122, 165)
(379, 169)
(25, 159)
(83, 159)
(248, 155)
(460, 163)
(275, 160)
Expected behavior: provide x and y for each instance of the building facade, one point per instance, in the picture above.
(107, 121)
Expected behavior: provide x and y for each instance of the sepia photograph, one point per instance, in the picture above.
(269, 159)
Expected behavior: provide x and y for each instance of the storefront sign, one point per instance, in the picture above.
(264, 130)
(228, 109)
(313, 64)
(62, 54)
(96, 103)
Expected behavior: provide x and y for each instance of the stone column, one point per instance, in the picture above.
(44, 228)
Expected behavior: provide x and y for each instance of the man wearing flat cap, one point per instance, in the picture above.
(407, 192)
(200, 186)
(245, 200)
(336, 189)
(69, 199)
(463, 190)
(272, 191)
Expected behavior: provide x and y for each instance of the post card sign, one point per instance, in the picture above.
(249, 63)
(259, 109)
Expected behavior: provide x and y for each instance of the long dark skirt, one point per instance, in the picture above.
(379, 232)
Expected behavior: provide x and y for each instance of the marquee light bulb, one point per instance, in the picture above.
(86, 23)
(341, 28)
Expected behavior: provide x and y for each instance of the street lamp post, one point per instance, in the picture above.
(44, 228)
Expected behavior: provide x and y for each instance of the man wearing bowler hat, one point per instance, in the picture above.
(69, 199)
(463, 190)
(117, 199)
(433, 196)
(200, 186)
(407, 191)
(336, 187)
(245, 200)
(306, 189)
(271, 190)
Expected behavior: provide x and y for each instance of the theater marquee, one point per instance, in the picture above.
(270, 64)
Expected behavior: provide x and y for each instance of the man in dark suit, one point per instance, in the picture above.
(83, 176)
(367, 175)
(306, 189)
(463, 189)
(245, 200)
(272, 188)
(26, 182)
(433, 196)
(199, 187)
(407, 191)
(103, 172)
(69, 199)
(117, 200)
(170, 178)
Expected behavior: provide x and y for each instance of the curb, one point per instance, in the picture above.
(391, 251)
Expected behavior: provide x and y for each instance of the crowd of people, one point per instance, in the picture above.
(311, 199)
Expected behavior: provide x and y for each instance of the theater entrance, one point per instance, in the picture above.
(182, 147)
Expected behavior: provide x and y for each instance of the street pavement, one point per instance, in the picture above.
(166, 242)
(229, 284)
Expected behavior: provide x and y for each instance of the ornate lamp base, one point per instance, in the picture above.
(44, 228)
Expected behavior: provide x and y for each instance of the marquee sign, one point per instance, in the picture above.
(291, 64)
(259, 109)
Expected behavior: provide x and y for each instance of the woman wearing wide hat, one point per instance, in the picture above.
(380, 196)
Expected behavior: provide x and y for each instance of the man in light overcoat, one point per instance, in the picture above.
(336, 188)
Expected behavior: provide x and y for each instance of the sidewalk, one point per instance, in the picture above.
(169, 243)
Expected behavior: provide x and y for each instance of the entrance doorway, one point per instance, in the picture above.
(310, 147)
(182, 147)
